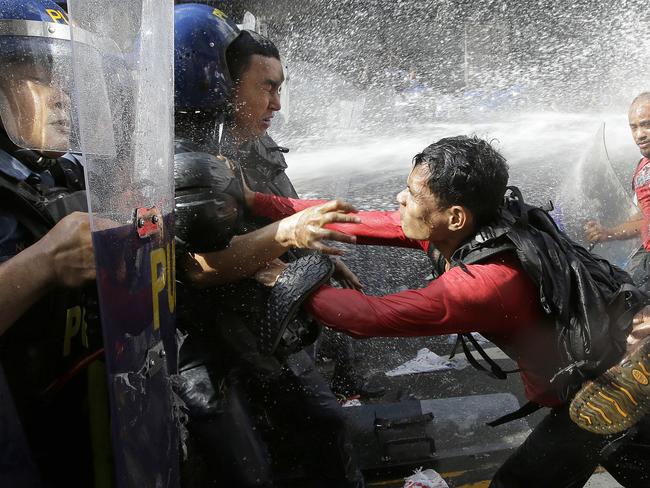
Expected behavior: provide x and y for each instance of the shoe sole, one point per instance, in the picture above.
(617, 399)
(295, 285)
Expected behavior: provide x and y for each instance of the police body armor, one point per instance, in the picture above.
(262, 165)
(46, 352)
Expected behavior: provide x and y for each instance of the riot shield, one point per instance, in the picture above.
(592, 191)
(123, 78)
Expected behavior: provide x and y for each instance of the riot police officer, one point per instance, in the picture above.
(228, 383)
(51, 341)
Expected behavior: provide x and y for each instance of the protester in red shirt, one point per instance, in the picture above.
(455, 187)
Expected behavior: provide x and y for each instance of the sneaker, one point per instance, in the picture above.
(618, 398)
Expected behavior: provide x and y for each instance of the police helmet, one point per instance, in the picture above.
(202, 34)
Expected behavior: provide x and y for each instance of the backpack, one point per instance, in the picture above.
(590, 301)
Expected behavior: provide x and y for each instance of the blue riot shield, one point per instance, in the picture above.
(123, 100)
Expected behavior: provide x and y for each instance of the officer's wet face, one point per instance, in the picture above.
(39, 111)
(639, 119)
(257, 96)
(422, 216)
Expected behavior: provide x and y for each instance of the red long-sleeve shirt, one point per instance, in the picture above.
(495, 298)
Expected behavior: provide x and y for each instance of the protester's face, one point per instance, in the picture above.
(639, 118)
(257, 95)
(40, 112)
(423, 218)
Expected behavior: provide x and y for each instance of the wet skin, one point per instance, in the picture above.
(639, 120)
(257, 96)
(424, 218)
(41, 110)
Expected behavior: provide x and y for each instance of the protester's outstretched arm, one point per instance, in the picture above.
(376, 228)
(595, 232)
(63, 257)
(488, 298)
(248, 253)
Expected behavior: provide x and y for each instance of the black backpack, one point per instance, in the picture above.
(590, 301)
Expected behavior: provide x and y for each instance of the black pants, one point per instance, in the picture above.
(303, 403)
(340, 348)
(559, 454)
(307, 427)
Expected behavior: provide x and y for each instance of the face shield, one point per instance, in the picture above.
(37, 84)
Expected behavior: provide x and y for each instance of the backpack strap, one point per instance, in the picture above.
(495, 370)
(520, 413)
(437, 261)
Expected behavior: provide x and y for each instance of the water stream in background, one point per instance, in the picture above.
(541, 148)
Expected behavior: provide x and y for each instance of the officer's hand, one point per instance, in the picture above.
(595, 232)
(345, 277)
(69, 248)
(640, 328)
(268, 275)
(306, 229)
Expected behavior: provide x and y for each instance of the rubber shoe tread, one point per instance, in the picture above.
(295, 284)
(618, 398)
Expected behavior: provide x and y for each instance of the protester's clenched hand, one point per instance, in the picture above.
(345, 277)
(269, 274)
(640, 327)
(595, 232)
(69, 249)
(306, 229)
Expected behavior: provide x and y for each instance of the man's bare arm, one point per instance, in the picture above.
(248, 253)
(63, 257)
(595, 232)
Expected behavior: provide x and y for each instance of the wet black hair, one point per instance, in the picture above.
(247, 44)
(466, 171)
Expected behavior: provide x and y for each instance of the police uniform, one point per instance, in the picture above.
(301, 394)
(46, 353)
(229, 384)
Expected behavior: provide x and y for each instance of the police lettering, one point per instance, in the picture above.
(163, 266)
(75, 322)
(57, 16)
(218, 13)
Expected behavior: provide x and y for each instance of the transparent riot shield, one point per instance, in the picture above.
(123, 99)
(592, 191)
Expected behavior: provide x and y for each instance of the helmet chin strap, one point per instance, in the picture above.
(34, 160)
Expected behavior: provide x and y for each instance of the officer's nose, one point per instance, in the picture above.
(275, 104)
